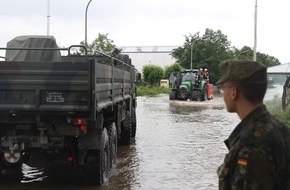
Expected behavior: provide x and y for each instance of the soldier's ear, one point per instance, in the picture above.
(235, 93)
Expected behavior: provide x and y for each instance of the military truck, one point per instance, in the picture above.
(192, 85)
(68, 109)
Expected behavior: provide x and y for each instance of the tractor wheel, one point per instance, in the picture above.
(113, 141)
(172, 95)
(199, 98)
(133, 122)
(204, 95)
(126, 130)
(96, 169)
(193, 96)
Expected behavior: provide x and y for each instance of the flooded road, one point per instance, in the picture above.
(178, 145)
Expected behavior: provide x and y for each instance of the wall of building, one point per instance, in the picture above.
(143, 55)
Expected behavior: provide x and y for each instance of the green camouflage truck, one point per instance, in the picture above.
(71, 110)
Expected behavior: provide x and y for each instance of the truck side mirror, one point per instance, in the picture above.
(138, 77)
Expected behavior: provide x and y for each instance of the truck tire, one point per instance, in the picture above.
(133, 122)
(113, 142)
(126, 130)
(1, 165)
(96, 169)
(172, 95)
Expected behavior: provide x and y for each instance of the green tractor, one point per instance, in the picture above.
(189, 84)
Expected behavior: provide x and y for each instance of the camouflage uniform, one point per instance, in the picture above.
(259, 155)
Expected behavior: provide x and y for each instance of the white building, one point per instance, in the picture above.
(279, 73)
(143, 55)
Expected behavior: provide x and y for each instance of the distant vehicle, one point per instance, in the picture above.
(71, 110)
(192, 85)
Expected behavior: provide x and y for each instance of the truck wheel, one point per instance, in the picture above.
(96, 170)
(1, 165)
(172, 95)
(126, 130)
(112, 132)
(133, 122)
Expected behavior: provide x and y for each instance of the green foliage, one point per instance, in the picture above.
(152, 74)
(247, 53)
(152, 91)
(275, 107)
(101, 43)
(207, 52)
(175, 67)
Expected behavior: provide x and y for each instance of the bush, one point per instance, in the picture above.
(275, 107)
(175, 67)
(152, 74)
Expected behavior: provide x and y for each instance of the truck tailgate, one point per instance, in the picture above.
(44, 86)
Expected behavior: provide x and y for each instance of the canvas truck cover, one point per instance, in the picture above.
(34, 41)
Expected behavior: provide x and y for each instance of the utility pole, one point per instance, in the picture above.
(86, 15)
(191, 55)
(255, 32)
(48, 16)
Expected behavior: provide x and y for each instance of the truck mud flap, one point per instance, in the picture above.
(92, 139)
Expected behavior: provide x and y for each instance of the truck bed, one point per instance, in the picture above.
(87, 86)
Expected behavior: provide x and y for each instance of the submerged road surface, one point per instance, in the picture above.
(178, 145)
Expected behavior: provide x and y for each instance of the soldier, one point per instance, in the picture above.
(206, 75)
(259, 155)
(172, 79)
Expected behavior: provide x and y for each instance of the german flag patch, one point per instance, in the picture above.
(242, 161)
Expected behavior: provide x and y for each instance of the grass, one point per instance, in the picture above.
(275, 107)
(152, 91)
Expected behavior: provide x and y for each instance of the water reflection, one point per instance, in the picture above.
(183, 145)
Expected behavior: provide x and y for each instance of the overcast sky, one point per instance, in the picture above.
(151, 22)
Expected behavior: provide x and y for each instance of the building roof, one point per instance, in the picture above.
(147, 49)
(279, 69)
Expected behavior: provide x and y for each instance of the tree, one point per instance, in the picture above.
(207, 52)
(267, 60)
(247, 53)
(101, 43)
(175, 67)
(152, 74)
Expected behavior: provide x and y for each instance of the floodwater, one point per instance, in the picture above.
(178, 145)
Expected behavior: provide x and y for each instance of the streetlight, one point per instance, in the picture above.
(86, 22)
(241, 52)
(48, 16)
(255, 32)
(191, 55)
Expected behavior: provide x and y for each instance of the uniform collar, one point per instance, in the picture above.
(245, 124)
